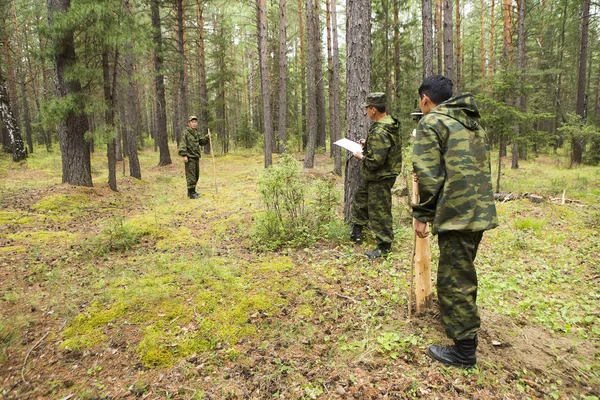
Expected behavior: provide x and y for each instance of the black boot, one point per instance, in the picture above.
(381, 250)
(192, 194)
(462, 354)
(356, 235)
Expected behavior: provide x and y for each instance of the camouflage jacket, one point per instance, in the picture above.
(451, 159)
(382, 153)
(191, 142)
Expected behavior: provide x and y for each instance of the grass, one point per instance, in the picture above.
(147, 291)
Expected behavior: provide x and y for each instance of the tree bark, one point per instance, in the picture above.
(449, 71)
(334, 86)
(160, 102)
(397, 91)
(320, 83)
(303, 116)
(17, 146)
(269, 137)
(75, 150)
(482, 43)
(578, 142)
(458, 53)
(358, 85)
(439, 36)
(131, 123)
(521, 71)
(492, 41)
(183, 109)
(203, 118)
(309, 160)
(507, 31)
(427, 37)
(283, 107)
(109, 120)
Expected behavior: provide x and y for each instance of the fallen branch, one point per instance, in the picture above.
(27, 357)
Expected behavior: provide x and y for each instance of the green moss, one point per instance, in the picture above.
(37, 238)
(11, 217)
(305, 310)
(86, 330)
(275, 264)
(12, 249)
(61, 203)
(179, 239)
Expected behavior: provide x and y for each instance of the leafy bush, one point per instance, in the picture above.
(298, 211)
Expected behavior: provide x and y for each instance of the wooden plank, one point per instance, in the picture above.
(421, 264)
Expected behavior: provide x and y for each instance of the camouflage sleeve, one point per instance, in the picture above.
(376, 149)
(429, 168)
(182, 148)
(203, 140)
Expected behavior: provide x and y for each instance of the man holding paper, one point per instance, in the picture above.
(381, 161)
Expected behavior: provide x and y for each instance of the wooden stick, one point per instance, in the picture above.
(213, 161)
(421, 263)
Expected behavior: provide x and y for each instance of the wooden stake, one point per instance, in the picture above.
(421, 264)
(213, 161)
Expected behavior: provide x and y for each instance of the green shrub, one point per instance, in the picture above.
(297, 211)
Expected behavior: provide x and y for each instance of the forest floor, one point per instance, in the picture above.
(144, 293)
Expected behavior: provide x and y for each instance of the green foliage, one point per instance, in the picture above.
(118, 236)
(298, 211)
(575, 129)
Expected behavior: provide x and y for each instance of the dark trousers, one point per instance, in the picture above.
(457, 283)
(373, 204)
(192, 172)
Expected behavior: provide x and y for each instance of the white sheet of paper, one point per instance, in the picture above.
(349, 145)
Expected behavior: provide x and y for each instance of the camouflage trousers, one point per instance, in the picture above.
(457, 283)
(373, 204)
(192, 172)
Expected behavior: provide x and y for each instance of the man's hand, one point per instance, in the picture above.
(185, 159)
(420, 228)
(358, 155)
(362, 142)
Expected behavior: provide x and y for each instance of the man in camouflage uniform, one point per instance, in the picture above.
(452, 164)
(381, 160)
(190, 148)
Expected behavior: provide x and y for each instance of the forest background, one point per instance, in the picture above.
(126, 290)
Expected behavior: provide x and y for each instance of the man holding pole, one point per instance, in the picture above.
(452, 164)
(190, 148)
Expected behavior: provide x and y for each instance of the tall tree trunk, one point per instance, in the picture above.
(21, 76)
(109, 117)
(427, 37)
(482, 43)
(507, 31)
(309, 160)
(597, 106)
(521, 71)
(334, 86)
(160, 102)
(37, 95)
(132, 123)
(578, 142)
(203, 118)
(264, 81)
(283, 107)
(17, 146)
(358, 85)
(492, 41)
(449, 71)
(397, 91)
(75, 150)
(458, 81)
(439, 36)
(303, 116)
(318, 44)
(183, 113)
